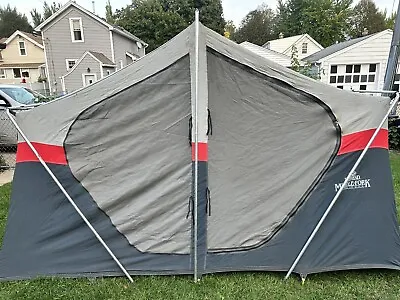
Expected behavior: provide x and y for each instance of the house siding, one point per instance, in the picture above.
(34, 53)
(73, 80)
(123, 45)
(59, 47)
(106, 69)
(33, 76)
(311, 48)
(372, 51)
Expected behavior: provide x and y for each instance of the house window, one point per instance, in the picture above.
(76, 29)
(351, 76)
(2, 73)
(17, 73)
(25, 73)
(22, 49)
(70, 63)
(304, 48)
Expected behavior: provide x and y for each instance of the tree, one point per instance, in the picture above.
(367, 16)
(327, 21)
(36, 17)
(230, 29)
(109, 13)
(257, 27)
(390, 20)
(11, 20)
(148, 20)
(157, 21)
(48, 10)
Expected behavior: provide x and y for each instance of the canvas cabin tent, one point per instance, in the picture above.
(272, 149)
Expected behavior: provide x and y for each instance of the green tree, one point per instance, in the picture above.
(148, 20)
(109, 13)
(257, 27)
(367, 16)
(230, 30)
(11, 20)
(157, 21)
(327, 21)
(390, 20)
(48, 10)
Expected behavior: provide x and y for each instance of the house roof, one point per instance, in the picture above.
(111, 27)
(272, 55)
(21, 65)
(34, 39)
(285, 44)
(334, 48)
(101, 58)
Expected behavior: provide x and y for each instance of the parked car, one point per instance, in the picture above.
(13, 96)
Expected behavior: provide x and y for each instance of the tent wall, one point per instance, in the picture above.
(271, 144)
(120, 147)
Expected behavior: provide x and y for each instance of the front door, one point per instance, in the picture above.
(89, 79)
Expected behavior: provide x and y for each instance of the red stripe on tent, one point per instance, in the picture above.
(203, 152)
(50, 153)
(359, 140)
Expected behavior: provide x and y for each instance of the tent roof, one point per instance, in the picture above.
(354, 112)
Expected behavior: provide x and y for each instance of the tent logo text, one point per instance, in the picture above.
(355, 182)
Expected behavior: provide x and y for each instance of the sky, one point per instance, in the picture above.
(234, 10)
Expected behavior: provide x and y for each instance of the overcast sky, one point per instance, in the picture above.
(233, 9)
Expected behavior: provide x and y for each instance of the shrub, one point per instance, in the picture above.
(394, 135)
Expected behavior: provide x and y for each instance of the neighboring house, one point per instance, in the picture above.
(22, 59)
(358, 64)
(82, 48)
(304, 44)
(272, 55)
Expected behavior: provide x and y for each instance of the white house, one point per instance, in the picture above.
(358, 64)
(304, 44)
(272, 55)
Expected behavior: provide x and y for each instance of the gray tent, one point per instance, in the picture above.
(271, 150)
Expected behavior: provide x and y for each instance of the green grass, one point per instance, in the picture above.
(338, 285)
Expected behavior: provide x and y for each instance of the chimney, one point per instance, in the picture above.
(281, 35)
(94, 9)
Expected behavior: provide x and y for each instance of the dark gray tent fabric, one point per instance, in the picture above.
(140, 175)
(269, 144)
(361, 232)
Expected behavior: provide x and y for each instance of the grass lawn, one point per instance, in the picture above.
(339, 285)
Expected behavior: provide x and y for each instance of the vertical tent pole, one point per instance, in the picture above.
(196, 141)
(68, 196)
(339, 192)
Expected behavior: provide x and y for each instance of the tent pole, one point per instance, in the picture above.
(68, 196)
(196, 143)
(339, 192)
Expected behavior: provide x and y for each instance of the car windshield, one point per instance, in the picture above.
(20, 95)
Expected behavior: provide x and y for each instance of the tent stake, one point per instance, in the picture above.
(339, 192)
(68, 196)
(196, 143)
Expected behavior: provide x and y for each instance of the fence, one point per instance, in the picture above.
(8, 142)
